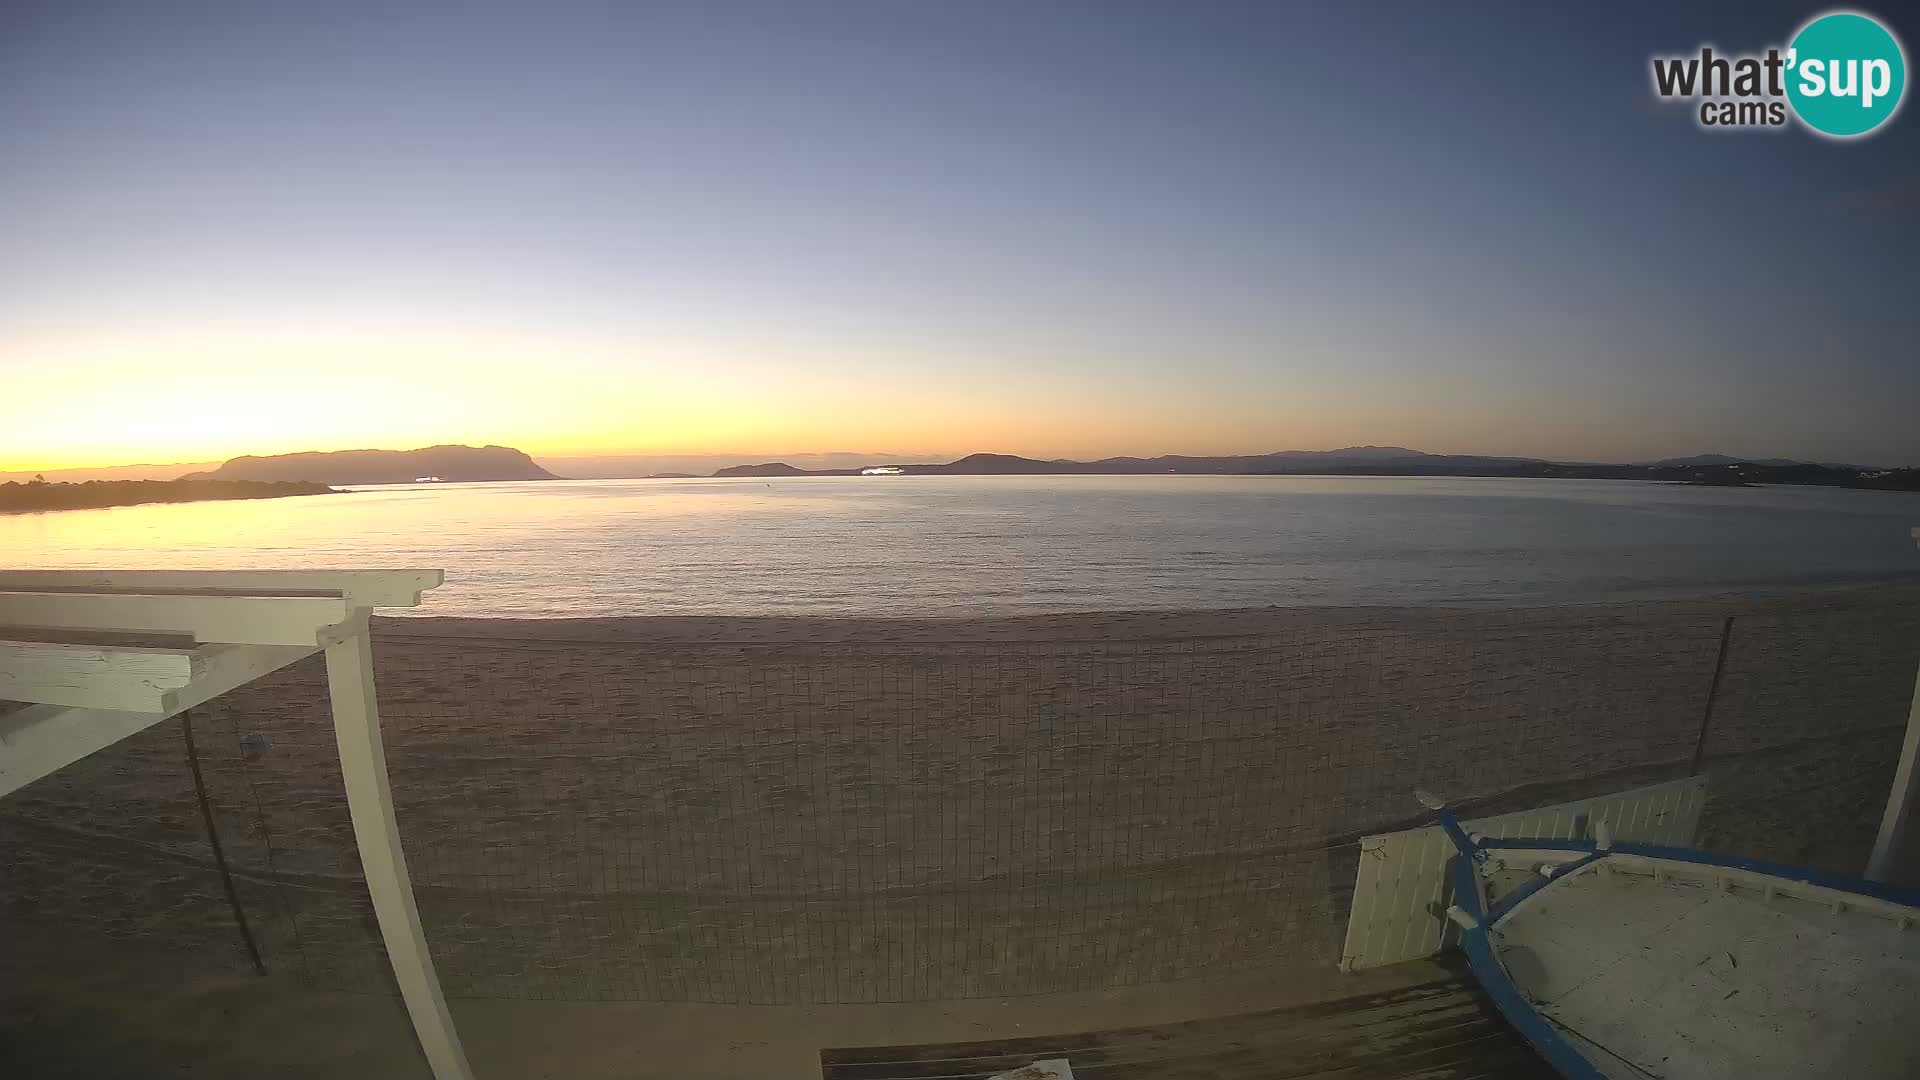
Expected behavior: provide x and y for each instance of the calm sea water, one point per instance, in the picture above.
(970, 545)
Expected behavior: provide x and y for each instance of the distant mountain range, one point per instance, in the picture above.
(627, 466)
(1709, 469)
(1283, 461)
(453, 464)
(483, 463)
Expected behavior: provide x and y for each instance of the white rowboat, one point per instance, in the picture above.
(1629, 961)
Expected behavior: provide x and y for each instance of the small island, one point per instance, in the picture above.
(38, 495)
(452, 464)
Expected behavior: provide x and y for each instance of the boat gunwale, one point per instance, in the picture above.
(1483, 956)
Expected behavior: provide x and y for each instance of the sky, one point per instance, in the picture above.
(1051, 229)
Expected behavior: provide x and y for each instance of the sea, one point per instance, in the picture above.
(991, 545)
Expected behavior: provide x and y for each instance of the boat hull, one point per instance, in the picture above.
(1638, 961)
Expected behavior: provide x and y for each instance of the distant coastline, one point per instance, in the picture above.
(1707, 471)
(491, 463)
(34, 497)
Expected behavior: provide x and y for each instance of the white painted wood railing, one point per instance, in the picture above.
(221, 629)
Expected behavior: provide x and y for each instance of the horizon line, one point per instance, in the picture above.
(884, 458)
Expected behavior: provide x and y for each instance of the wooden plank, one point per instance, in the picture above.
(363, 764)
(39, 739)
(1452, 995)
(92, 676)
(236, 619)
(360, 588)
(1443, 1028)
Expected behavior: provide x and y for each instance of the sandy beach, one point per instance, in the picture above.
(826, 810)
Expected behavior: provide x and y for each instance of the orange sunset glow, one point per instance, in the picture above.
(206, 399)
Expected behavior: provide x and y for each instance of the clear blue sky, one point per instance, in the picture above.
(1039, 228)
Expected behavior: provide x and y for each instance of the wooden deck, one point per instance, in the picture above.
(1443, 1030)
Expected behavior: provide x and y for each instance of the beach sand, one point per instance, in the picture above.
(809, 811)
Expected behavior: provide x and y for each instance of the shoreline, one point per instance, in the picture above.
(805, 810)
(44, 498)
(1094, 627)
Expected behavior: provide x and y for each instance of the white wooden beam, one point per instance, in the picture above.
(254, 622)
(55, 732)
(363, 764)
(1897, 819)
(223, 667)
(360, 588)
(92, 676)
(133, 679)
(258, 620)
(39, 739)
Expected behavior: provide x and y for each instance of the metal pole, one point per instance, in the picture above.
(1713, 695)
(1891, 842)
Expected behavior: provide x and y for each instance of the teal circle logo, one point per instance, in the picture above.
(1846, 74)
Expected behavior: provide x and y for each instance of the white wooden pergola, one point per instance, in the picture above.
(231, 627)
(1896, 821)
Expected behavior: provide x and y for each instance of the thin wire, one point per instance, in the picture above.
(213, 841)
(273, 871)
(1713, 695)
(1583, 1036)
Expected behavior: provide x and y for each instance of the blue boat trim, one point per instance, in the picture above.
(1545, 1039)
(1476, 941)
(1841, 882)
(1540, 881)
(1457, 834)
